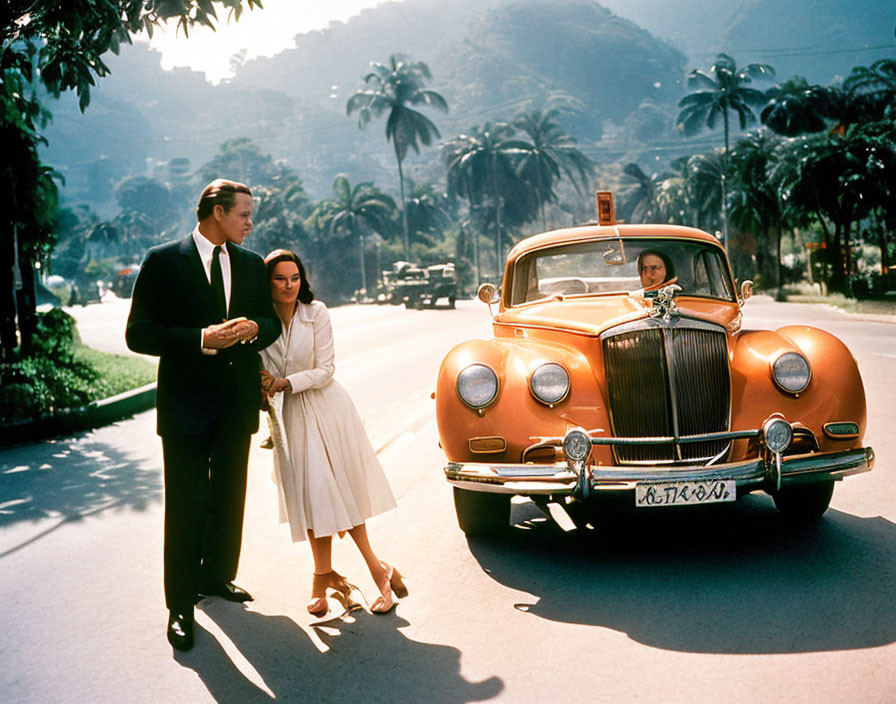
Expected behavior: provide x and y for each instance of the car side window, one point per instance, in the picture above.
(701, 283)
(709, 276)
(722, 285)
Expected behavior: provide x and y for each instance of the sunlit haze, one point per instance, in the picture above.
(262, 32)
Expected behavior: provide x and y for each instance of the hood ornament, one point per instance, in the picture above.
(664, 303)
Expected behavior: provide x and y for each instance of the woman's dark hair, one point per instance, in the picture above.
(670, 267)
(306, 295)
(219, 192)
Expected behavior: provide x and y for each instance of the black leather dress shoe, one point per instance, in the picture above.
(180, 631)
(228, 591)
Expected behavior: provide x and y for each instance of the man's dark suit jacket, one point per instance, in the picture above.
(171, 304)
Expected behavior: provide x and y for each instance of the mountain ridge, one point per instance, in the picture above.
(489, 58)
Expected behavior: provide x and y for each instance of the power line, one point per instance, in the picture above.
(800, 51)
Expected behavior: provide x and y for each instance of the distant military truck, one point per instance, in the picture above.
(418, 288)
(441, 284)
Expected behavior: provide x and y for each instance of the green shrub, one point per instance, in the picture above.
(56, 334)
(60, 373)
(36, 386)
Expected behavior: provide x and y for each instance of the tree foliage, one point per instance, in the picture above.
(483, 167)
(65, 41)
(339, 226)
(397, 89)
(723, 89)
(61, 46)
(551, 154)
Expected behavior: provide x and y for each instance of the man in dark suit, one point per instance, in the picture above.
(202, 305)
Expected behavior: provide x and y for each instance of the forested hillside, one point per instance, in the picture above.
(490, 59)
(817, 39)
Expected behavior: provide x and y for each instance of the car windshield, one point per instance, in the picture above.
(613, 266)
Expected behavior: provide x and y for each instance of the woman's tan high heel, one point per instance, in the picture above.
(339, 588)
(397, 583)
(392, 585)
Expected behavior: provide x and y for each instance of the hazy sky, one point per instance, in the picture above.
(261, 32)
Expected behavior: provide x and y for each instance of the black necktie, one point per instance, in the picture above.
(217, 283)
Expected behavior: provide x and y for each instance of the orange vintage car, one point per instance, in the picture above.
(619, 365)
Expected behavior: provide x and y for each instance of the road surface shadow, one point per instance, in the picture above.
(367, 659)
(71, 478)
(729, 579)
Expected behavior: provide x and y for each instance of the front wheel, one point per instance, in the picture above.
(804, 503)
(481, 514)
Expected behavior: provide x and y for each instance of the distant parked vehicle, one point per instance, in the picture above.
(416, 287)
(442, 285)
(123, 284)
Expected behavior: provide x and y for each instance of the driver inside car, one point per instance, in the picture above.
(655, 268)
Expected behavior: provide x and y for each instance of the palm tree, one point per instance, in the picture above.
(724, 88)
(794, 111)
(280, 213)
(354, 208)
(353, 212)
(483, 164)
(792, 108)
(727, 89)
(756, 205)
(675, 200)
(828, 175)
(551, 154)
(392, 88)
(881, 163)
(642, 202)
(427, 209)
(705, 182)
(879, 78)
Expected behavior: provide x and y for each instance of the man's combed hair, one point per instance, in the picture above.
(219, 192)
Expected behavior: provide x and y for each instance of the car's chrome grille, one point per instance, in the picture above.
(667, 381)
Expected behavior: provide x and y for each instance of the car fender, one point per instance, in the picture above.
(835, 391)
(515, 411)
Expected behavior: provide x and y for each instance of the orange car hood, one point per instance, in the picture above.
(592, 315)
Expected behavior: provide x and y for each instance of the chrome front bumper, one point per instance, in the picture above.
(749, 475)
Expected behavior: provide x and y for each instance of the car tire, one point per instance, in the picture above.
(481, 514)
(804, 503)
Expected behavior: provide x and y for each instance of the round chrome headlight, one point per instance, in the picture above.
(791, 372)
(778, 434)
(549, 383)
(576, 445)
(477, 385)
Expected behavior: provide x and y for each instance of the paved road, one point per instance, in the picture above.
(726, 605)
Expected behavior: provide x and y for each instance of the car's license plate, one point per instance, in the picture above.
(648, 494)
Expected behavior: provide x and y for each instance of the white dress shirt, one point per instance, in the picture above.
(206, 249)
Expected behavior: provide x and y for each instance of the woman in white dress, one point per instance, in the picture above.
(328, 476)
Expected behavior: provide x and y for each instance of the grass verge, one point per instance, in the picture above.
(117, 373)
(850, 305)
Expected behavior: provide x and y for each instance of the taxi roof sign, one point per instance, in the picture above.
(606, 214)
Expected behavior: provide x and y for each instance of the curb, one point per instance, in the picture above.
(862, 317)
(75, 420)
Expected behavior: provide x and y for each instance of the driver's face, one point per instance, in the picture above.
(653, 270)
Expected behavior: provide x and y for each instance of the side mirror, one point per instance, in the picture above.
(746, 290)
(488, 293)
